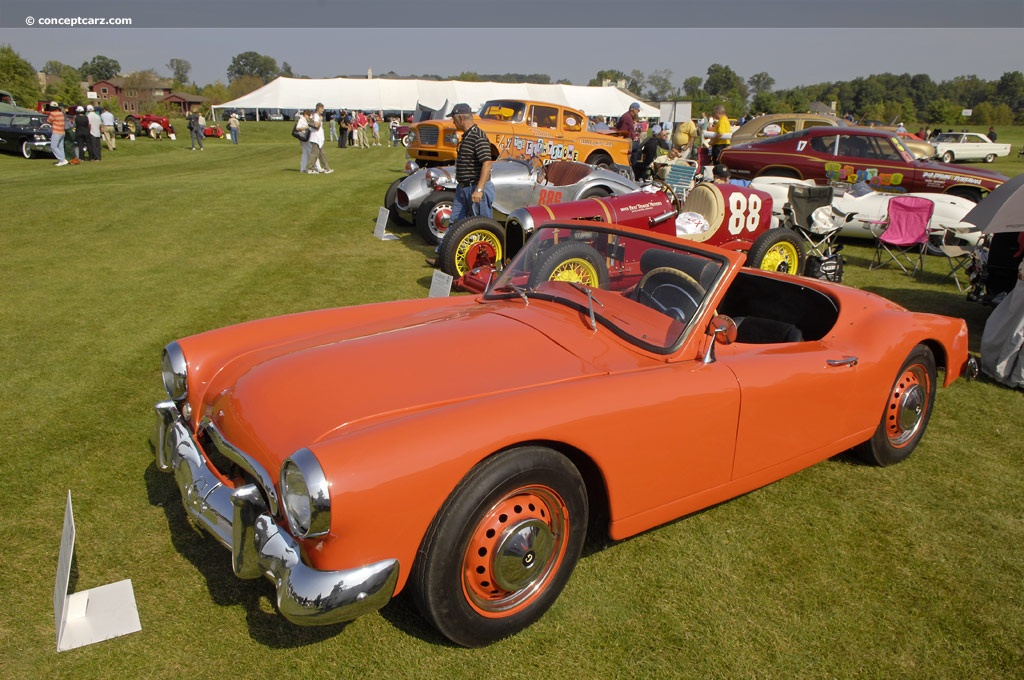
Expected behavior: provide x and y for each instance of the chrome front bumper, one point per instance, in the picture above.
(240, 520)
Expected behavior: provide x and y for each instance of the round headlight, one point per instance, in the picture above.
(433, 176)
(175, 372)
(453, 139)
(305, 495)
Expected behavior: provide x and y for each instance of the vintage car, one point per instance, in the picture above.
(424, 198)
(139, 125)
(968, 146)
(24, 131)
(724, 215)
(524, 129)
(860, 208)
(844, 156)
(775, 124)
(330, 459)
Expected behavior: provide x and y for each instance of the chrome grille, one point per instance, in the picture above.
(428, 134)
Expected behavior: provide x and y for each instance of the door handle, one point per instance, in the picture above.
(845, 361)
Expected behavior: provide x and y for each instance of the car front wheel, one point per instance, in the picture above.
(394, 214)
(502, 547)
(907, 411)
(432, 217)
(571, 262)
(472, 242)
(947, 157)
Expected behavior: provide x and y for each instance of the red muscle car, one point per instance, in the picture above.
(845, 156)
(330, 459)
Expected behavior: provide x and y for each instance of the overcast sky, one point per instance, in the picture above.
(816, 52)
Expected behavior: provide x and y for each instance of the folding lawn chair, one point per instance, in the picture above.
(823, 258)
(680, 178)
(959, 254)
(903, 232)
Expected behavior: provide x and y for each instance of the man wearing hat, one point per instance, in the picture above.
(649, 151)
(95, 132)
(475, 191)
(55, 117)
(628, 124)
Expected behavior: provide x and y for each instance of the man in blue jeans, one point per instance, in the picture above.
(474, 194)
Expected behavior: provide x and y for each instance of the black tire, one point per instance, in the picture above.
(778, 250)
(394, 214)
(672, 292)
(502, 547)
(601, 160)
(989, 158)
(472, 242)
(595, 192)
(970, 193)
(432, 216)
(570, 261)
(906, 413)
(948, 157)
(26, 150)
(133, 125)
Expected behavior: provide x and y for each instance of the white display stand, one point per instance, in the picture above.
(381, 230)
(440, 284)
(91, 615)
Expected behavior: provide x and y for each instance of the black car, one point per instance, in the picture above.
(24, 132)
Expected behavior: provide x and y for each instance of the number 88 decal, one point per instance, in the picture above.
(744, 212)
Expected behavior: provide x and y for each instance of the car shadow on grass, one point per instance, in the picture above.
(213, 561)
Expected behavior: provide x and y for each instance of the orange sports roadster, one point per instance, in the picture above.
(638, 375)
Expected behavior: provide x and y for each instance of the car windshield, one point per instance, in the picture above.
(507, 111)
(643, 290)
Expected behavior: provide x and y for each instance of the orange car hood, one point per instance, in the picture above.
(296, 396)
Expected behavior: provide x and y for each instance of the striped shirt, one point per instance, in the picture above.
(56, 121)
(474, 151)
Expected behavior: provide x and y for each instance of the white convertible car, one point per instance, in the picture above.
(968, 146)
(856, 211)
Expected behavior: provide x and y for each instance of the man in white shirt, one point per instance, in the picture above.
(316, 143)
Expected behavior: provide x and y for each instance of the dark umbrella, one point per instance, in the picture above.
(1002, 210)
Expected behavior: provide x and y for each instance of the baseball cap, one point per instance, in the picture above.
(53, 103)
(89, 108)
(460, 109)
(721, 171)
(635, 105)
(655, 130)
(80, 110)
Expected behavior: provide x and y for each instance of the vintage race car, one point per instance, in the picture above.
(844, 156)
(524, 129)
(724, 215)
(328, 458)
(968, 146)
(424, 198)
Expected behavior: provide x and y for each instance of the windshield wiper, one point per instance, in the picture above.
(590, 302)
(516, 289)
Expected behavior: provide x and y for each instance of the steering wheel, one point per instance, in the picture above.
(672, 292)
(669, 191)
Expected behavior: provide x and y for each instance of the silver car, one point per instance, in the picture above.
(424, 198)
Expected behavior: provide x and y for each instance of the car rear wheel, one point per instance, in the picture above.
(595, 192)
(572, 262)
(133, 125)
(777, 250)
(907, 411)
(970, 193)
(502, 547)
(780, 172)
(26, 150)
(472, 242)
(601, 160)
(989, 158)
(947, 157)
(394, 214)
(433, 215)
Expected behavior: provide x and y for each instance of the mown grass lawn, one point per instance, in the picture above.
(841, 571)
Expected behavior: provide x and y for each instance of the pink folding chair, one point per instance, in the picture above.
(903, 233)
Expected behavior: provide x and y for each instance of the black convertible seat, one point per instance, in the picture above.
(702, 271)
(757, 330)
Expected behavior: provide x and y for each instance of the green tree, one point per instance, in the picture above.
(1010, 90)
(945, 112)
(244, 85)
(693, 87)
(611, 75)
(760, 83)
(216, 92)
(286, 70)
(100, 68)
(54, 68)
(67, 90)
(721, 80)
(18, 77)
(252, 64)
(660, 87)
(180, 70)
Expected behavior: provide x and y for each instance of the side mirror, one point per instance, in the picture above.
(722, 329)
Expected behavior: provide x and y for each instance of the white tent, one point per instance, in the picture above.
(403, 95)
